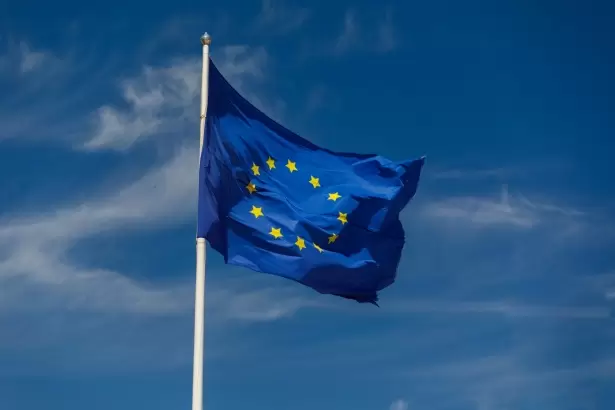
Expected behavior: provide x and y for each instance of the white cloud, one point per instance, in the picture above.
(316, 98)
(387, 36)
(399, 404)
(512, 211)
(321, 98)
(279, 18)
(501, 307)
(603, 284)
(242, 66)
(550, 208)
(163, 195)
(466, 174)
(484, 211)
(160, 104)
(50, 284)
(380, 37)
(36, 103)
(159, 101)
(261, 304)
(32, 60)
(509, 380)
(349, 34)
(33, 249)
(22, 59)
(164, 101)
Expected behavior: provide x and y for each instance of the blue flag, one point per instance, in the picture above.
(273, 202)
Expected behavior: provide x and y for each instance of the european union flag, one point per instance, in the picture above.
(273, 202)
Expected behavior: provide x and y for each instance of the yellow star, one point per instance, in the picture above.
(300, 243)
(255, 170)
(251, 188)
(315, 182)
(334, 196)
(333, 238)
(318, 248)
(292, 166)
(257, 211)
(343, 218)
(271, 163)
(276, 232)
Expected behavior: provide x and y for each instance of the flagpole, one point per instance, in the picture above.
(199, 296)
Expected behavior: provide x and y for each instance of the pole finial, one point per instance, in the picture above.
(206, 39)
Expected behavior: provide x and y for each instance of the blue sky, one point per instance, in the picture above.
(506, 289)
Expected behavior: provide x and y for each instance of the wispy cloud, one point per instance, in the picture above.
(471, 174)
(260, 304)
(399, 404)
(321, 98)
(348, 36)
(503, 308)
(163, 195)
(279, 18)
(547, 169)
(34, 249)
(353, 36)
(316, 98)
(508, 211)
(603, 284)
(39, 102)
(33, 60)
(163, 101)
(158, 100)
(509, 380)
(244, 68)
(22, 58)
(484, 211)
(387, 34)
(128, 332)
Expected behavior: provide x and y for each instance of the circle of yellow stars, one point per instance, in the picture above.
(276, 232)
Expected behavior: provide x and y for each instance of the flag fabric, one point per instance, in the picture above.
(276, 203)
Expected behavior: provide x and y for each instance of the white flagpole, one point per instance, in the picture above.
(199, 297)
